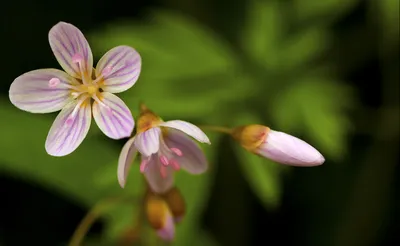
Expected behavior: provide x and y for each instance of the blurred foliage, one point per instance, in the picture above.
(278, 75)
(327, 10)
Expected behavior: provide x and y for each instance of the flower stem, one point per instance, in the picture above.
(217, 129)
(85, 224)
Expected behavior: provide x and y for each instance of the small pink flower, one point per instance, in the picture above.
(80, 91)
(165, 147)
(277, 146)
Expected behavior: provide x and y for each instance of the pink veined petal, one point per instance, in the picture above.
(187, 128)
(68, 132)
(158, 183)
(167, 232)
(120, 68)
(113, 116)
(193, 159)
(33, 91)
(68, 44)
(286, 149)
(125, 160)
(148, 142)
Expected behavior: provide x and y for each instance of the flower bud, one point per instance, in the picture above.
(176, 204)
(160, 217)
(277, 146)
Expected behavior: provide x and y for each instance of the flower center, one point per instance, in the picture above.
(166, 156)
(84, 88)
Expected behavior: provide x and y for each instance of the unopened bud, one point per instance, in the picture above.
(160, 217)
(250, 136)
(176, 203)
(277, 146)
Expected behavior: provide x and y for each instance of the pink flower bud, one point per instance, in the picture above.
(277, 146)
(289, 150)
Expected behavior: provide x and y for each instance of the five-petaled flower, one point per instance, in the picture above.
(73, 91)
(165, 148)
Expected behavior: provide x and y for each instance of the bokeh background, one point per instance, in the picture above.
(325, 71)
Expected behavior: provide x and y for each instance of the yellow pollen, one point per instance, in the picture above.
(92, 89)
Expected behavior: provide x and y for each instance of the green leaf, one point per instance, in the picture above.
(303, 47)
(388, 17)
(88, 175)
(318, 107)
(184, 64)
(263, 31)
(327, 11)
(262, 174)
(188, 100)
(23, 154)
(172, 46)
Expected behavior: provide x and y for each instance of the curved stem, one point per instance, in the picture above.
(94, 213)
(217, 129)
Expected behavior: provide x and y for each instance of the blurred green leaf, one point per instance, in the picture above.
(327, 11)
(188, 102)
(318, 107)
(88, 175)
(388, 17)
(24, 155)
(184, 65)
(263, 31)
(262, 174)
(303, 47)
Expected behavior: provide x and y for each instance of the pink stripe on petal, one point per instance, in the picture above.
(148, 142)
(187, 128)
(68, 132)
(41, 91)
(192, 159)
(286, 149)
(66, 42)
(113, 116)
(120, 68)
(157, 182)
(125, 160)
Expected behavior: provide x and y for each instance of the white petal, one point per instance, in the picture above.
(67, 42)
(193, 159)
(120, 68)
(158, 183)
(113, 116)
(187, 128)
(148, 142)
(32, 91)
(66, 133)
(286, 149)
(125, 161)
